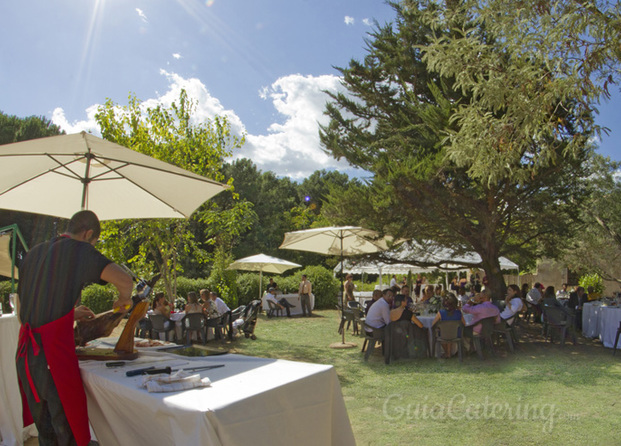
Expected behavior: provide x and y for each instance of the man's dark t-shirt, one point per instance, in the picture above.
(52, 277)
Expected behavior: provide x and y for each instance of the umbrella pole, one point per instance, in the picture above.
(261, 286)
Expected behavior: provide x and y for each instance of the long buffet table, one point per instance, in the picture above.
(251, 401)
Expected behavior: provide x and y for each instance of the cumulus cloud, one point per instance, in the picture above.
(289, 147)
(349, 20)
(367, 22)
(142, 15)
(176, 56)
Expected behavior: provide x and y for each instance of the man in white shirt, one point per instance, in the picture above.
(534, 295)
(282, 303)
(379, 313)
(393, 281)
(562, 293)
(220, 305)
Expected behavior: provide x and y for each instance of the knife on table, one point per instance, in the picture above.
(153, 371)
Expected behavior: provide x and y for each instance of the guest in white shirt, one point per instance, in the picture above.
(563, 293)
(221, 307)
(282, 303)
(513, 304)
(379, 313)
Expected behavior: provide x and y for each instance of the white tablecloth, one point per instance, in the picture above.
(601, 322)
(11, 425)
(293, 299)
(590, 319)
(251, 401)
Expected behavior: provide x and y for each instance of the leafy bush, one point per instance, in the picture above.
(5, 290)
(594, 280)
(185, 285)
(223, 281)
(248, 287)
(325, 285)
(99, 298)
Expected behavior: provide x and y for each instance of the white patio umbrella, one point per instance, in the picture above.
(61, 175)
(338, 241)
(263, 263)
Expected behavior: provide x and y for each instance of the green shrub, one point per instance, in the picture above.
(185, 285)
(325, 285)
(5, 290)
(222, 280)
(99, 298)
(594, 280)
(248, 287)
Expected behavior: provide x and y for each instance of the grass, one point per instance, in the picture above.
(542, 394)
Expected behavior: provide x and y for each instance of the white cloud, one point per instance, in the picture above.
(349, 20)
(177, 56)
(142, 15)
(367, 22)
(288, 148)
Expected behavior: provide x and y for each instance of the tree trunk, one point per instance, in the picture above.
(495, 280)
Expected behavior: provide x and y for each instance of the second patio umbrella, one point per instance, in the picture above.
(338, 241)
(263, 263)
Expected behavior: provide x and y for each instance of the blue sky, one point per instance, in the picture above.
(262, 63)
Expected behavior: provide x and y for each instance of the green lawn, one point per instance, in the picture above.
(539, 395)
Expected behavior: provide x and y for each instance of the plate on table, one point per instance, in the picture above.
(152, 344)
(190, 350)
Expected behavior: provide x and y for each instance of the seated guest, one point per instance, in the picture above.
(449, 313)
(209, 307)
(427, 293)
(161, 306)
(377, 294)
(282, 303)
(480, 307)
(439, 291)
(513, 304)
(379, 313)
(534, 298)
(402, 312)
(193, 306)
(462, 296)
(220, 305)
(405, 292)
(549, 298)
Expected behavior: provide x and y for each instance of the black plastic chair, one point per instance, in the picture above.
(451, 332)
(532, 310)
(485, 337)
(358, 319)
(353, 304)
(194, 322)
(371, 338)
(555, 318)
(223, 326)
(614, 347)
(144, 328)
(158, 321)
(274, 309)
(347, 315)
(503, 329)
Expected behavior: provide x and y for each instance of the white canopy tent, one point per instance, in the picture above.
(442, 257)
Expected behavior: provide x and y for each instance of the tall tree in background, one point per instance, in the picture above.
(172, 135)
(596, 248)
(506, 188)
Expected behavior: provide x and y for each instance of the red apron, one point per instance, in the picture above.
(59, 346)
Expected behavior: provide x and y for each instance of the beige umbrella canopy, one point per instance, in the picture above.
(6, 263)
(263, 263)
(338, 241)
(61, 175)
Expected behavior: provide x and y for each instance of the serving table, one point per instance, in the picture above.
(601, 321)
(11, 425)
(251, 401)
